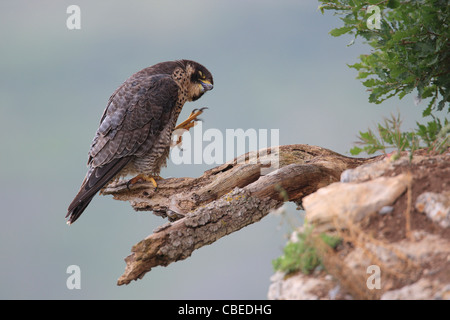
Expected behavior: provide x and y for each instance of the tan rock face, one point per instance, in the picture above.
(340, 203)
(394, 216)
(436, 206)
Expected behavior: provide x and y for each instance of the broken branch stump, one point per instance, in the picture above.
(224, 199)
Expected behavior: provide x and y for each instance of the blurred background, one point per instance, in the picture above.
(275, 67)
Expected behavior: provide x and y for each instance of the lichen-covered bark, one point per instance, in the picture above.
(177, 240)
(224, 199)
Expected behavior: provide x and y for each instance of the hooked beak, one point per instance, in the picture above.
(206, 85)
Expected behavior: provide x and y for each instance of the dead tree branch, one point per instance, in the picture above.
(224, 199)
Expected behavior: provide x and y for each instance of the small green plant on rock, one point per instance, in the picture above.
(433, 135)
(303, 255)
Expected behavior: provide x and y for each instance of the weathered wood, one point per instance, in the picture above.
(224, 199)
(177, 240)
(175, 197)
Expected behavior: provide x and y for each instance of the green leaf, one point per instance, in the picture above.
(363, 75)
(356, 66)
(322, 9)
(370, 83)
(340, 31)
(355, 151)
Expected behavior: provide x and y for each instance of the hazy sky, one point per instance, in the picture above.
(275, 67)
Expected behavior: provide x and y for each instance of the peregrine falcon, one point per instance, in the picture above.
(135, 130)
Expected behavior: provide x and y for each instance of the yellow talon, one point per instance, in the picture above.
(144, 177)
(187, 124)
(190, 121)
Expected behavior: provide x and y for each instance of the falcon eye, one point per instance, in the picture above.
(202, 76)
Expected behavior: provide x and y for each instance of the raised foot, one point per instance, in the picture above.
(190, 121)
(188, 124)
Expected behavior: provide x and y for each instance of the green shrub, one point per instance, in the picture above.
(410, 51)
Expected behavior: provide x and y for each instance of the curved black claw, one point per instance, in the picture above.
(128, 185)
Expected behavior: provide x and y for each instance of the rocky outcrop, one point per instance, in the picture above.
(436, 206)
(394, 220)
(352, 202)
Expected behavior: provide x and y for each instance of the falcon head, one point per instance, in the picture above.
(200, 79)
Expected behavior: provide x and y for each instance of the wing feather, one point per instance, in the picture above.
(135, 115)
(141, 119)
